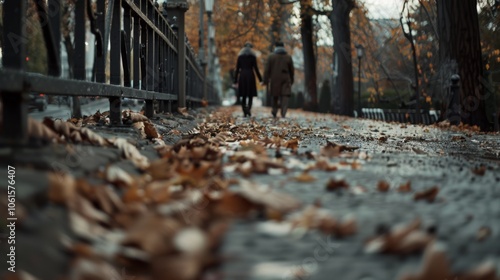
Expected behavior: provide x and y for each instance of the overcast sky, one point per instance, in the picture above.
(384, 8)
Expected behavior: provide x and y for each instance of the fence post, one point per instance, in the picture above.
(177, 9)
(454, 105)
(15, 110)
(115, 102)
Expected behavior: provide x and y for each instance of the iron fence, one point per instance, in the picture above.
(401, 115)
(147, 58)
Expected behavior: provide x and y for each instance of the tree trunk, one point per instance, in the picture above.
(459, 43)
(306, 32)
(344, 88)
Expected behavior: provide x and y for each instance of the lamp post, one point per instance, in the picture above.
(209, 6)
(359, 52)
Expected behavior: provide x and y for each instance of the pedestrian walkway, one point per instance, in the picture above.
(212, 193)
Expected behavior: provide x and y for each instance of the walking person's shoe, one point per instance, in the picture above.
(274, 114)
(246, 112)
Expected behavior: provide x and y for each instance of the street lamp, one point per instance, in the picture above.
(209, 6)
(359, 52)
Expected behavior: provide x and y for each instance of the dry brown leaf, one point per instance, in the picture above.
(313, 217)
(151, 131)
(76, 137)
(60, 127)
(83, 228)
(429, 194)
(292, 144)
(383, 186)
(483, 233)
(159, 191)
(330, 151)
(484, 271)
(305, 177)
(178, 267)
(325, 165)
(134, 194)
(233, 205)
(84, 268)
(435, 265)
(37, 130)
(118, 176)
(130, 152)
(153, 234)
(139, 127)
(191, 241)
(346, 227)
(333, 149)
(406, 187)
(85, 208)
(402, 239)
(62, 188)
(333, 185)
(480, 170)
(134, 117)
(267, 197)
(458, 138)
(92, 137)
(183, 111)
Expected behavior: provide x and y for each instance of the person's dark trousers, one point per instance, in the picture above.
(246, 105)
(238, 98)
(276, 100)
(280, 101)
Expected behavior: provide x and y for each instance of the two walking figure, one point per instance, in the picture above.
(278, 74)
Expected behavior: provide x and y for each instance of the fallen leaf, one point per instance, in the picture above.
(183, 267)
(435, 265)
(383, 186)
(479, 170)
(401, 239)
(305, 177)
(484, 271)
(429, 194)
(268, 197)
(37, 130)
(130, 152)
(62, 188)
(406, 187)
(94, 269)
(153, 234)
(92, 137)
(333, 185)
(483, 233)
(139, 127)
(151, 131)
(183, 111)
(118, 176)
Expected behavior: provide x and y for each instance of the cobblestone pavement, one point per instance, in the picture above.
(426, 156)
(462, 164)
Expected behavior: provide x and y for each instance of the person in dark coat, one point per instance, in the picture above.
(279, 73)
(244, 77)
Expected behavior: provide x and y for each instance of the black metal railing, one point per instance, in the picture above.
(147, 60)
(401, 115)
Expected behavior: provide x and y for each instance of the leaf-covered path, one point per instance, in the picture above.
(213, 195)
